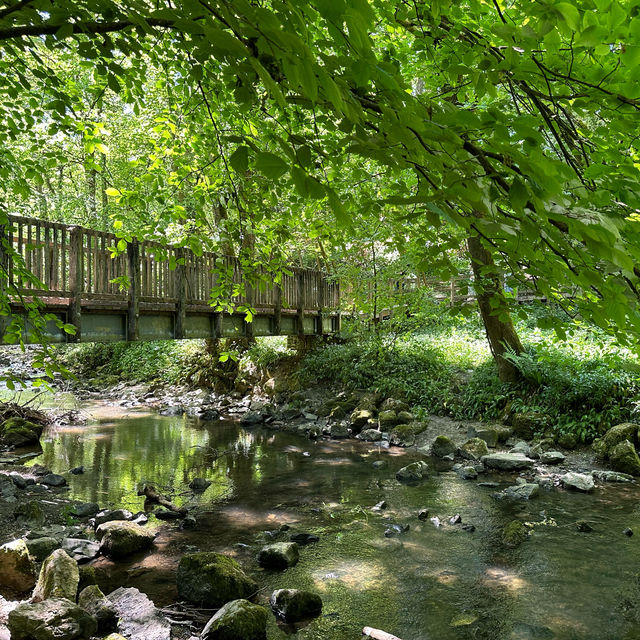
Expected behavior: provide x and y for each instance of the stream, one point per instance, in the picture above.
(430, 582)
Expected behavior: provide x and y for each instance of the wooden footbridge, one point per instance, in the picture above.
(167, 292)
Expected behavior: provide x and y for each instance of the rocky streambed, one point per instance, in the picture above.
(283, 522)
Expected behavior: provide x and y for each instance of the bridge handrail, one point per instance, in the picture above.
(76, 262)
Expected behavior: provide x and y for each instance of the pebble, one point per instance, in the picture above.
(628, 532)
(423, 514)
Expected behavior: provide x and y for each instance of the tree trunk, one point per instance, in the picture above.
(499, 328)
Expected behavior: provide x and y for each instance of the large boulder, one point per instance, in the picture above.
(293, 605)
(81, 550)
(507, 461)
(121, 538)
(210, 579)
(413, 472)
(53, 619)
(443, 446)
(279, 555)
(91, 599)
(527, 424)
(138, 618)
(59, 578)
(617, 434)
(474, 449)
(18, 432)
(578, 481)
(17, 568)
(237, 620)
(489, 434)
(110, 515)
(623, 457)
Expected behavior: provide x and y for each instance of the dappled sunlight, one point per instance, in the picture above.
(334, 462)
(354, 574)
(253, 518)
(500, 577)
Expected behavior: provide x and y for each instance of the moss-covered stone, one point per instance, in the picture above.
(623, 457)
(121, 538)
(514, 533)
(53, 619)
(567, 441)
(18, 432)
(59, 578)
(387, 419)
(87, 576)
(17, 568)
(527, 424)
(293, 605)
(617, 434)
(212, 579)
(404, 435)
(413, 473)
(92, 599)
(279, 555)
(237, 620)
(474, 449)
(443, 446)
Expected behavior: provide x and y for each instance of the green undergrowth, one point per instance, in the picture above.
(167, 361)
(437, 362)
(583, 385)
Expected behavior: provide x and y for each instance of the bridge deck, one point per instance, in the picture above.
(152, 291)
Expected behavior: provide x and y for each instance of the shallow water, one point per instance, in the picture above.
(418, 585)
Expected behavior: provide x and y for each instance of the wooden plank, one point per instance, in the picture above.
(301, 301)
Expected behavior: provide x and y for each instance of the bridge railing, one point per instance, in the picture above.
(75, 262)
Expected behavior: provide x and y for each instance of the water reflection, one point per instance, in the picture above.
(426, 584)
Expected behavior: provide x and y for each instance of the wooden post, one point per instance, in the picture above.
(5, 245)
(339, 301)
(133, 257)
(277, 314)
(181, 294)
(76, 280)
(217, 325)
(320, 284)
(249, 297)
(301, 303)
(452, 292)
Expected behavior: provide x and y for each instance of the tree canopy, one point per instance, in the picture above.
(514, 123)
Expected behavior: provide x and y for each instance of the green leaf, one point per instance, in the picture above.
(270, 165)
(570, 14)
(239, 160)
(110, 191)
(518, 195)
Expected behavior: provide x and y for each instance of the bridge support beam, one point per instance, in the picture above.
(181, 294)
(133, 311)
(76, 281)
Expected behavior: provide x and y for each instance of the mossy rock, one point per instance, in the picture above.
(211, 579)
(294, 605)
(527, 424)
(237, 620)
(474, 449)
(120, 538)
(17, 568)
(59, 578)
(514, 533)
(567, 441)
(623, 457)
(443, 446)
(87, 576)
(404, 435)
(18, 432)
(617, 434)
(55, 618)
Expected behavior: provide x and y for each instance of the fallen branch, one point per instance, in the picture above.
(149, 491)
(376, 634)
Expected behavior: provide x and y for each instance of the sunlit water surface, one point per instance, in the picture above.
(426, 584)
